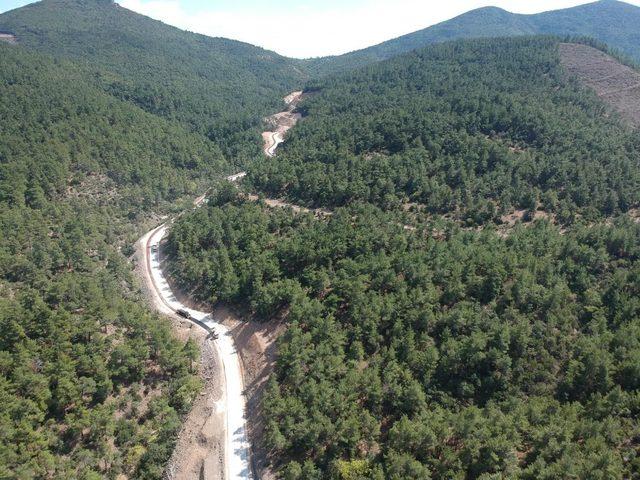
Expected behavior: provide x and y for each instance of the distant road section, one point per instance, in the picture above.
(281, 123)
(271, 142)
(617, 84)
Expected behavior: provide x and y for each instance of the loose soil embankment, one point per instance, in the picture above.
(617, 84)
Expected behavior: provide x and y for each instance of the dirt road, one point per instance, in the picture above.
(281, 123)
(214, 444)
(231, 405)
(271, 141)
(8, 38)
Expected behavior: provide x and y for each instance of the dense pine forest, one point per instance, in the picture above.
(428, 338)
(470, 129)
(408, 356)
(92, 384)
(109, 119)
(469, 308)
(62, 126)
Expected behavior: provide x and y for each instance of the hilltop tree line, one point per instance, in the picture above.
(470, 129)
(468, 355)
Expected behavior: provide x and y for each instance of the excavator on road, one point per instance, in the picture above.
(212, 335)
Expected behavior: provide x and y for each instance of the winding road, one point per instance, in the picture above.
(282, 122)
(237, 456)
(275, 139)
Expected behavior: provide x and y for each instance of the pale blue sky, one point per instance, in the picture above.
(306, 28)
(193, 6)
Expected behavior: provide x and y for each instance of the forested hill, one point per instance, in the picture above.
(612, 22)
(471, 129)
(92, 384)
(60, 127)
(424, 340)
(219, 87)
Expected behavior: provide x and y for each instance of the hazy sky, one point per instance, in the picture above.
(306, 28)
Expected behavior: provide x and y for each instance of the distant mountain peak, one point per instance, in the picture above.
(489, 8)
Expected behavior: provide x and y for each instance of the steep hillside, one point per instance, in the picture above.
(108, 119)
(617, 84)
(59, 126)
(92, 385)
(471, 129)
(217, 86)
(612, 22)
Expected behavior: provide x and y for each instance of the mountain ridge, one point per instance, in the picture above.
(609, 21)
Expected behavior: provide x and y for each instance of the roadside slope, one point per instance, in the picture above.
(199, 449)
(232, 402)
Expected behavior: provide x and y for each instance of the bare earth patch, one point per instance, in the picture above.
(277, 203)
(8, 38)
(516, 216)
(95, 186)
(617, 84)
(280, 123)
(199, 450)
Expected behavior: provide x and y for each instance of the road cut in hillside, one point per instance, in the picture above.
(237, 462)
(218, 419)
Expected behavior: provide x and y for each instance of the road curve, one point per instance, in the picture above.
(237, 447)
(276, 139)
(282, 122)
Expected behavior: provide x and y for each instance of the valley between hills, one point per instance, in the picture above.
(416, 261)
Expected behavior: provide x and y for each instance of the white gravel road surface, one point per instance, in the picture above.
(237, 447)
